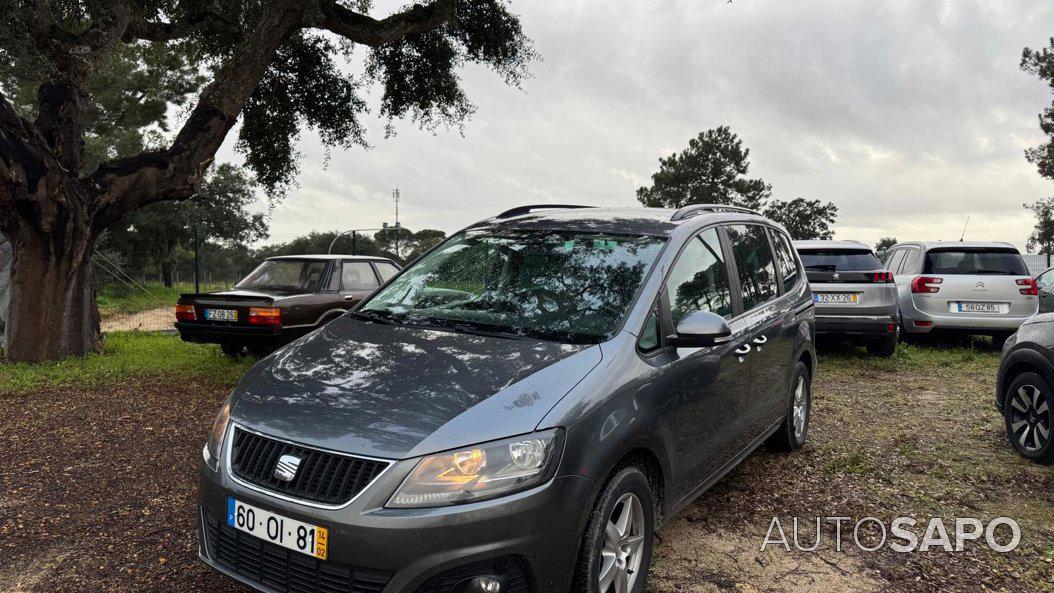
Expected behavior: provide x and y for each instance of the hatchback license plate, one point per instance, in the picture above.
(221, 314)
(823, 298)
(289, 533)
(978, 308)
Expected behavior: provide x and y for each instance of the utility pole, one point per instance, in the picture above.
(197, 261)
(395, 197)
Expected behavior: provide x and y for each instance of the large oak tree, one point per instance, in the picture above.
(274, 63)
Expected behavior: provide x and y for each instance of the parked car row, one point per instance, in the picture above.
(520, 409)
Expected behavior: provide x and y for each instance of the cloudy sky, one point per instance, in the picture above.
(909, 115)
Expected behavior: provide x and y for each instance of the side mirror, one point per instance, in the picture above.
(699, 329)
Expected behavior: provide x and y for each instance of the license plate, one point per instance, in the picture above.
(978, 308)
(822, 298)
(221, 314)
(283, 531)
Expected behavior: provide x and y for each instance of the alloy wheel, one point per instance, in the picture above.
(1030, 418)
(623, 548)
(800, 407)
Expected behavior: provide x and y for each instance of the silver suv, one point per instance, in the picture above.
(854, 294)
(967, 287)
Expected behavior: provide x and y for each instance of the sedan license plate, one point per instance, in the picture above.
(221, 314)
(978, 308)
(289, 533)
(823, 298)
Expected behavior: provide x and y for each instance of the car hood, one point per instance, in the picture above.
(397, 392)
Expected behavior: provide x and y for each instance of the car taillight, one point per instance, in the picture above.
(185, 313)
(925, 284)
(265, 316)
(882, 277)
(1029, 284)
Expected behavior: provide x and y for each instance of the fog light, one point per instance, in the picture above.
(484, 585)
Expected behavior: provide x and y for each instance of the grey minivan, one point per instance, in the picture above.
(518, 410)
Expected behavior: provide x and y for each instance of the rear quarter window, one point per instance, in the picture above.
(975, 262)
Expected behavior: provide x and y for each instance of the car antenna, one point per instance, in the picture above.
(962, 236)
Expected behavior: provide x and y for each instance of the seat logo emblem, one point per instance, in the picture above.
(285, 469)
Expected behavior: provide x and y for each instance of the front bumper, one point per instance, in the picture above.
(401, 550)
(856, 325)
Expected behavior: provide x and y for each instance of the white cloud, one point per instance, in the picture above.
(909, 115)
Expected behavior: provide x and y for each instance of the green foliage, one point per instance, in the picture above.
(804, 219)
(126, 355)
(1042, 237)
(220, 210)
(885, 243)
(712, 170)
(304, 86)
(1041, 63)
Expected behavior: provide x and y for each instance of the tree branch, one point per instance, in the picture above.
(366, 30)
(123, 185)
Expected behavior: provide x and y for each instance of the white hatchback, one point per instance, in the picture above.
(966, 287)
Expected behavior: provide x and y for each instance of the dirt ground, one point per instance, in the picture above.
(157, 319)
(98, 489)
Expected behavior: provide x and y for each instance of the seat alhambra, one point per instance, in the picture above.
(516, 412)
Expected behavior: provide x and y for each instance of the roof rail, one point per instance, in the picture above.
(528, 209)
(694, 209)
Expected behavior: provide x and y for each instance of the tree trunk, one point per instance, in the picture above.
(52, 313)
(167, 265)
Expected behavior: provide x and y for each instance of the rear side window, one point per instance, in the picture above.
(785, 260)
(911, 262)
(699, 279)
(893, 261)
(757, 271)
(1005, 262)
(840, 260)
(357, 276)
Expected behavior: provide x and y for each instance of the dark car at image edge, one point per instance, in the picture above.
(284, 298)
(518, 411)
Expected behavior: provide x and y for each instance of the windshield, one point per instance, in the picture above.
(285, 274)
(978, 261)
(840, 260)
(564, 286)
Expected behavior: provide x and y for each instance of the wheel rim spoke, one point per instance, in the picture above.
(611, 536)
(1018, 403)
(1042, 408)
(608, 571)
(633, 544)
(1035, 399)
(1024, 437)
(622, 582)
(625, 519)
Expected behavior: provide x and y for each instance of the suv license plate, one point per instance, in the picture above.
(978, 308)
(282, 531)
(221, 314)
(822, 298)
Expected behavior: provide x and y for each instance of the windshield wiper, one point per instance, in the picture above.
(374, 316)
(465, 327)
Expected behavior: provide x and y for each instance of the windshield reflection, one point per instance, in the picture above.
(562, 286)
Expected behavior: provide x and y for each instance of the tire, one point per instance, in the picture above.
(1027, 412)
(233, 351)
(629, 484)
(884, 347)
(791, 436)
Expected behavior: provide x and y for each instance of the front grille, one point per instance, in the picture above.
(322, 477)
(285, 570)
(511, 569)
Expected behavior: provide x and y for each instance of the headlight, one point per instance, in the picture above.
(481, 472)
(219, 428)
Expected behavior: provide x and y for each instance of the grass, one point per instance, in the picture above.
(945, 353)
(126, 355)
(118, 299)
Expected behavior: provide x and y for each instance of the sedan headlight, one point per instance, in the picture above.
(219, 428)
(480, 472)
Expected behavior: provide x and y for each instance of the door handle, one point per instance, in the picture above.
(761, 340)
(349, 297)
(742, 351)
